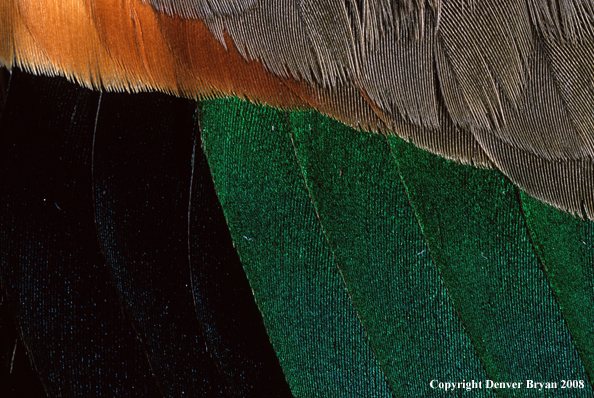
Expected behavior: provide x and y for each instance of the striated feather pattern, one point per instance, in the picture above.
(503, 83)
(202, 9)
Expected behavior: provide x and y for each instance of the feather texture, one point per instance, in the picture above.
(487, 82)
(104, 255)
(369, 281)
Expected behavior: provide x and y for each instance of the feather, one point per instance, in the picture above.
(368, 280)
(434, 72)
(310, 203)
(157, 315)
(312, 324)
(490, 299)
(48, 247)
(17, 376)
(379, 250)
(563, 245)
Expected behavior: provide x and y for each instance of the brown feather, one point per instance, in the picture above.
(7, 9)
(566, 185)
(202, 9)
(411, 92)
(572, 72)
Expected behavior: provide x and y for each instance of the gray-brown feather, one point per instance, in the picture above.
(502, 82)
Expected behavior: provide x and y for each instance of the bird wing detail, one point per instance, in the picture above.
(490, 83)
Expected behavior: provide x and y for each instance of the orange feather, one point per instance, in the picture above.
(125, 45)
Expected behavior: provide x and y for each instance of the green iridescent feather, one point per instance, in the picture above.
(379, 267)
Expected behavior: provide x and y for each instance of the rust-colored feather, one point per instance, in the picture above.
(126, 45)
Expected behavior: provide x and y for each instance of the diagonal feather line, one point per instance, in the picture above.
(431, 71)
